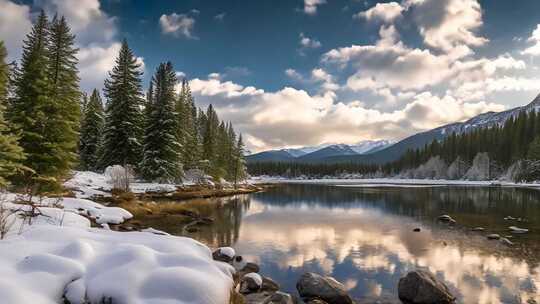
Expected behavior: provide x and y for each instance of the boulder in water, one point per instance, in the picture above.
(313, 286)
(421, 287)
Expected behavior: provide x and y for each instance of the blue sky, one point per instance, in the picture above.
(303, 72)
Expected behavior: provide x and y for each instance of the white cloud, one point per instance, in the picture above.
(291, 117)
(177, 25)
(86, 19)
(386, 12)
(293, 74)
(96, 61)
(220, 17)
(310, 43)
(534, 50)
(310, 6)
(14, 25)
(449, 25)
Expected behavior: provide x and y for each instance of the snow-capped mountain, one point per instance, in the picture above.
(313, 153)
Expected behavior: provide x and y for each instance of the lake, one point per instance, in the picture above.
(363, 236)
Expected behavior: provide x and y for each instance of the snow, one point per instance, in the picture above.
(59, 255)
(41, 264)
(255, 277)
(88, 184)
(101, 214)
(227, 251)
(395, 182)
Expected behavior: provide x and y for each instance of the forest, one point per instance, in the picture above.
(48, 127)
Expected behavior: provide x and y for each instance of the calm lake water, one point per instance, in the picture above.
(363, 236)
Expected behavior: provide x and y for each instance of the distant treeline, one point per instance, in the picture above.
(510, 150)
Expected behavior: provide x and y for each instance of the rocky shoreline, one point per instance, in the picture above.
(252, 287)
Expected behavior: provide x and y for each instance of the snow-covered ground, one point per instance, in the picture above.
(87, 184)
(390, 182)
(56, 254)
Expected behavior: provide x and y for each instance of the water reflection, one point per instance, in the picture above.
(363, 237)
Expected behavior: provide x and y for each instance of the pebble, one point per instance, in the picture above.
(493, 236)
(416, 229)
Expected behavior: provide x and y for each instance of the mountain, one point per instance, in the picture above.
(395, 151)
(330, 151)
(313, 153)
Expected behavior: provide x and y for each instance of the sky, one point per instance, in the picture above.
(291, 73)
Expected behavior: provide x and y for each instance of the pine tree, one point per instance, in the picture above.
(534, 149)
(239, 161)
(65, 95)
(210, 144)
(123, 119)
(32, 111)
(91, 133)
(11, 154)
(188, 131)
(161, 154)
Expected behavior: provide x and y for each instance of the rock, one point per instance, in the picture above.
(515, 229)
(250, 283)
(269, 298)
(509, 218)
(269, 285)
(224, 254)
(478, 229)
(250, 267)
(493, 236)
(313, 286)
(281, 298)
(506, 241)
(446, 219)
(421, 287)
(316, 301)
(416, 229)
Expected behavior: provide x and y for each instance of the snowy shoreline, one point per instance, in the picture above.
(390, 182)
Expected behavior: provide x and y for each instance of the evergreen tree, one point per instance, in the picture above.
(188, 130)
(534, 149)
(33, 111)
(161, 154)
(239, 162)
(123, 119)
(65, 95)
(210, 143)
(91, 132)
(11, 154)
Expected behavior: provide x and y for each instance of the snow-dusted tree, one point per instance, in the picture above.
(239, 163)
(161, 152)
(457, 169)
(123, 117)
(91, 133)
(120, 177)
(480, 169)
(11, 154)
(434, 168)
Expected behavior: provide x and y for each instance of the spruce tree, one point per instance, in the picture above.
(123, 119)
(210, 143)
(188, 130)
(32, 111)
(91, 133)
(534, 149)
(11, 153)
(161, 153)
(65, 95)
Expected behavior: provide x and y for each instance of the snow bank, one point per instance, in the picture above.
(46, 262)
(88, 184)
(101, 214)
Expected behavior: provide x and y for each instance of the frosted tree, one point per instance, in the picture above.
(434, 168)
(123, 116)
(457, 169)
(480, 169)
(11, 154)
(91, 132)
(161, 152)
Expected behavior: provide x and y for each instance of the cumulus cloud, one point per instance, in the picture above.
(290, 117)
(307, 42)
(14, 25)
(310, 6)
(177, 25)
(86, 19)
(449, 25)
(534, 50)
(386, 12)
